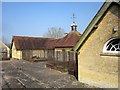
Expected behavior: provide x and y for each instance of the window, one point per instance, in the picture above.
(112, 46)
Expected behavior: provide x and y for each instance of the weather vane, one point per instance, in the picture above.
(73, 18)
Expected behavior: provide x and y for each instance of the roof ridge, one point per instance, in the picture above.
(33, 37)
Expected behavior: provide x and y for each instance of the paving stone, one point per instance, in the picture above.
(13, 82)
(24, 74)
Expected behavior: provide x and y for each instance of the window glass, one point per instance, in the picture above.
(113, 45)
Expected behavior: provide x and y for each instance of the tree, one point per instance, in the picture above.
(54, 33)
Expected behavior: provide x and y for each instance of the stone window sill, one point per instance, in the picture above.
(110, 54)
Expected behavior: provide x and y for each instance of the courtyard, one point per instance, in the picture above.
(24, 74)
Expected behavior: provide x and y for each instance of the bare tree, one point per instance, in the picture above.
(54, 33)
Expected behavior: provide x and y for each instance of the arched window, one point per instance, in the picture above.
(112, 46)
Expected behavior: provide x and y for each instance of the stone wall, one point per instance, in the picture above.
(17, 54)
(94, 67)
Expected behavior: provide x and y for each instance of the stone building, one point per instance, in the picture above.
(63, 58)
(4, 51)
(98, 49)
(24, 47)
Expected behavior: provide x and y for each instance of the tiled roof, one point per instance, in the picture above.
(69, 40)
(33, 43)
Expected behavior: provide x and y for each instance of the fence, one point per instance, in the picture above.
(63, 61)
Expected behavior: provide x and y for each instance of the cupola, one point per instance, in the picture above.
(73, 25)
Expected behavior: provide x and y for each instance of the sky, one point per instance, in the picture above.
(34, 18)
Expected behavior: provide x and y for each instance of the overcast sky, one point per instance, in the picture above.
(34, 18)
